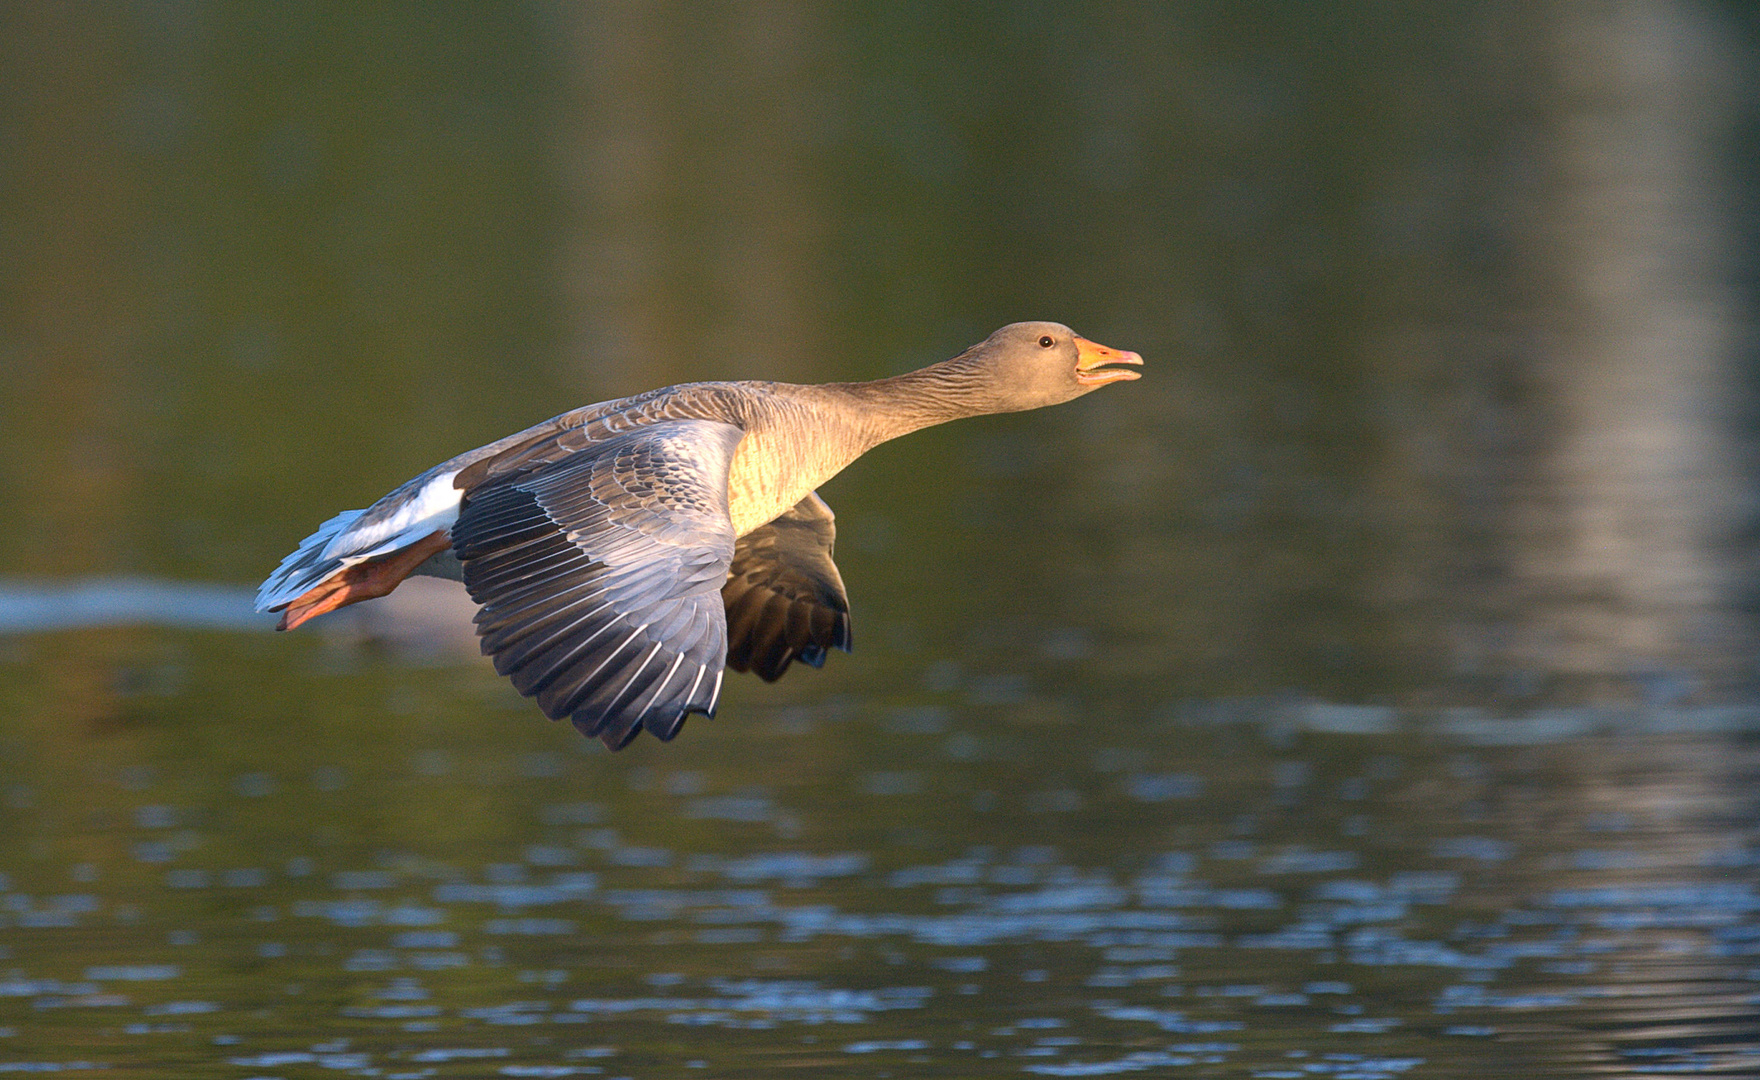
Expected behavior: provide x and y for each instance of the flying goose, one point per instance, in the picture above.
(623, 553)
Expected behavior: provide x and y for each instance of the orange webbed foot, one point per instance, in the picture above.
(362, 581)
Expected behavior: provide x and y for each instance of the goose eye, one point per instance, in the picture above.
(1045, 342)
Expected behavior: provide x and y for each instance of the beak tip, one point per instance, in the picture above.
(1094, 360)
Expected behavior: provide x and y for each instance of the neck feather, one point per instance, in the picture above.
(901, 404)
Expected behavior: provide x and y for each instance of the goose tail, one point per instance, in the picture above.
(307, 567)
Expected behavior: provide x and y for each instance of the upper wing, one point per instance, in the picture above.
(785, 598)
(421, 506)
(598, 573)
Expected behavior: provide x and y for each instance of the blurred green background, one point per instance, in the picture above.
(1447, 309)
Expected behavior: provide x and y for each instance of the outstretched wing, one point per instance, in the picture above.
(785, 598)
(599, 576)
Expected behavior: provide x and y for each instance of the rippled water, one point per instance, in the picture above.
(1369, 691)
(917, 882)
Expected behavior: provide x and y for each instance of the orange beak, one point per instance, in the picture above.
(1089, 360)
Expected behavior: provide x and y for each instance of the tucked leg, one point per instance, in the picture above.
(362, 581)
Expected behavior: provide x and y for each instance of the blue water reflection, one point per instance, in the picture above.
(1265, 895)
(38, 607)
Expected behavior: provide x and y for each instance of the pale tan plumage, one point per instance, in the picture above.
(623, 552)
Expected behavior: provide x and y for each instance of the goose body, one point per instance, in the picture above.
(624, 553)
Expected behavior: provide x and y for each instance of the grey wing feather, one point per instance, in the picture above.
(598, 575)
(785, 599)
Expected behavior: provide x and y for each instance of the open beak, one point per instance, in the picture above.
(1090, 361)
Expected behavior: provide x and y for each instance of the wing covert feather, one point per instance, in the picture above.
(597, 569)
